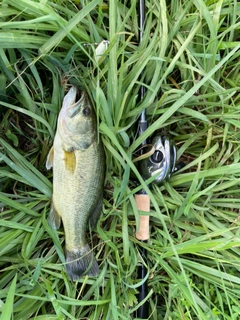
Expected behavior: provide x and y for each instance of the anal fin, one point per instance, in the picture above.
(94, 217)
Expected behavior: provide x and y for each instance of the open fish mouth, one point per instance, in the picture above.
(77, 98)
(78, 95)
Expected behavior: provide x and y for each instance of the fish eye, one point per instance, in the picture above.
(86, 111)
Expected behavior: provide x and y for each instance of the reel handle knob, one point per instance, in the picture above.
(157, 157)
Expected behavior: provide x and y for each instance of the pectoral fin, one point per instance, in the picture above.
(54, 218)
(70, 161)
(49, 162)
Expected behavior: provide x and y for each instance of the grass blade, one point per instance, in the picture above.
(7, 311)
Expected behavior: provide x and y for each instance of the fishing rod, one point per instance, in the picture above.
(142, 199)
(161, 164)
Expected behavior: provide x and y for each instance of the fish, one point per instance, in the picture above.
(78, 161)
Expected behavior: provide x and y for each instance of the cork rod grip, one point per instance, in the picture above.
(143, 204)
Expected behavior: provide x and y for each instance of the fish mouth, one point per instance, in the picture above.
(78, 96)
(77, 99)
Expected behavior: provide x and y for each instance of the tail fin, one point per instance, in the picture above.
(81, 261)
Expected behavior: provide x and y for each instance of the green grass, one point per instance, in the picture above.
(189, 61)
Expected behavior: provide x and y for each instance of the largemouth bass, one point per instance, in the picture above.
(78, 162)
